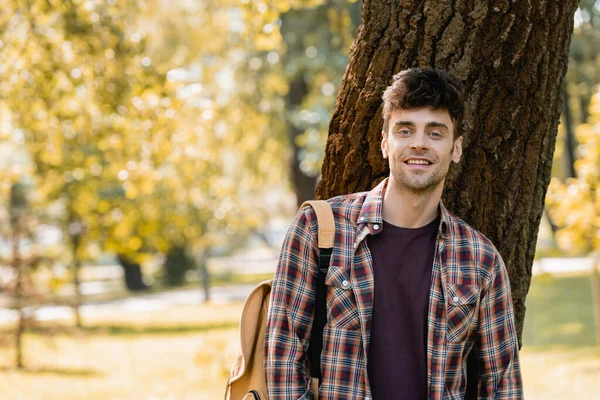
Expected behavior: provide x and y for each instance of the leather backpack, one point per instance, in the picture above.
(247, 376)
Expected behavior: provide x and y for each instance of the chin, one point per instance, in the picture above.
(417, 186)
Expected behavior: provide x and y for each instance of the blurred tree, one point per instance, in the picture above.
(582, 77)
(24, 260)
(570, 196)
(584, 58)
(100, 122)
(18, 208)
(75, 86)
(513, 102)
(304, 46)
(575, 204)
(315, 53)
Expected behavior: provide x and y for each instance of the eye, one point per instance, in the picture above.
(436, 134)
(404, 132)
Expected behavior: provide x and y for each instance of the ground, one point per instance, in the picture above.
(184, 352)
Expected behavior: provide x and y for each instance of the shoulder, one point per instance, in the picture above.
(473, 244)
(348, 204)
(343, 207)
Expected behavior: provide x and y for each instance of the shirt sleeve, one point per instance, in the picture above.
(291, 309)
(498, 348)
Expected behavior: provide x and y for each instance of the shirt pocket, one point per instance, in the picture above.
(461, 306)
(342, 311)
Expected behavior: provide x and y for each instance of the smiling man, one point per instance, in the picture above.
(412, 289)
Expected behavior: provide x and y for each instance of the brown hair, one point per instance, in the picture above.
(424, 87)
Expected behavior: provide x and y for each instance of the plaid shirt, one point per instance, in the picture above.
(469, 304)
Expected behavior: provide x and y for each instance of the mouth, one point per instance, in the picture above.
(417, 161)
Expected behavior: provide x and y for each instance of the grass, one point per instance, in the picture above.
(559, 312)
(185, 352)
(559, 357)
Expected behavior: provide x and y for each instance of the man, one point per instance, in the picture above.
(411, 288)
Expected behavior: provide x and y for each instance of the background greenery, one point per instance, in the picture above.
(160, 136)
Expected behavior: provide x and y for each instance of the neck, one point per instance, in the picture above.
(408, 209)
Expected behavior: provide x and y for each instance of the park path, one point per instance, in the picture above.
(224, 294)
(139, 303)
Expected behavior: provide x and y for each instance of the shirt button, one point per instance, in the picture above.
(345, 284)
(355, 244)
(362, 219)
(376, 227)
(455, 299)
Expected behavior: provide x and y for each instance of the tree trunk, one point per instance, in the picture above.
(176, 265)
(76, 283)
(204, 275)
(18, 268)
(304, 185)
(569, 136)
(132, 272)
(512, 58)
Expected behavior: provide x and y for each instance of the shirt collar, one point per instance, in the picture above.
(371, 211)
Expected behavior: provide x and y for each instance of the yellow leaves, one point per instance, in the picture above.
(103, 206)
(122, 230)
(575, 204)
(112, 142)
(276, 83)
(86, 201)
(267, 42)
(588, 165)
(131, 192)
(53, 157)
(134, 243)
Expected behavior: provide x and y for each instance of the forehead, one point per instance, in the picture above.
(421, 116)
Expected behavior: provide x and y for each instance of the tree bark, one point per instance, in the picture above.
(569, 136)
(204, 275)
(19, 296)
(133, 275)
(75, 240)
(511, 58)
(177, 263)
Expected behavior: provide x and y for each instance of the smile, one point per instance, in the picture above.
(418, 162)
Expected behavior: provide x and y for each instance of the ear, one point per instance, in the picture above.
(457, 149)
(384, 144)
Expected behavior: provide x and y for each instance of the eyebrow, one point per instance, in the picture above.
(432, 124)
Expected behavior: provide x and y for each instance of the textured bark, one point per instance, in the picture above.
(17, 265)
(132, 272)
(75, 242)
(511, 57)
(569, 137)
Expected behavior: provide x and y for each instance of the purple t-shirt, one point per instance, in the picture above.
(402, 265)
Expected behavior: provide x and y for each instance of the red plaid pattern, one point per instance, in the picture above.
(469, 304)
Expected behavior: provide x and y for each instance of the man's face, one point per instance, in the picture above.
(420, 146)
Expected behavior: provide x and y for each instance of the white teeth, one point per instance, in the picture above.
(420, 162)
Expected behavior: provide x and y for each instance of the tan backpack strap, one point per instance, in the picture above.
(325, 220)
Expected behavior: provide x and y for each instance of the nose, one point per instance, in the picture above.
(418, 141)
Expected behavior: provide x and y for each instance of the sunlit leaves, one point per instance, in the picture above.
(156, 123)
(575, 204)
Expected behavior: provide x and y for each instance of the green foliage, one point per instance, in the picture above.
(584, 59)
(148, 125)
(574, 205)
